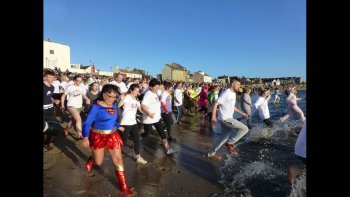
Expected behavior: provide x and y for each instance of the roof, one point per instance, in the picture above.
(202, 73)
(84, 67)
(223, 77)
(268, 79)
(138, 71)
(175, 66)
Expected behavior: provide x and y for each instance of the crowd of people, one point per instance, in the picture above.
(116, 109)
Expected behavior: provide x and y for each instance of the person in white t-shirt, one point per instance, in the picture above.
(104, 81)
(64, 83)
(128, 120)
(118, 81)
(151, 114)
(277, 97)
(56, 84)
(166, 104)
(134, 81)
(227, 102)
(261, 105)
(300, 152)
(76, 94)
(178, 100)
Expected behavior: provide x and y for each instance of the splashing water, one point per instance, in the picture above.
(299, 187)
(265, 154)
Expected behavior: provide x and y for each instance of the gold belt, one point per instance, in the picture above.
(104, 131)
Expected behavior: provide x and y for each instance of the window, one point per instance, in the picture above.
(52, 52)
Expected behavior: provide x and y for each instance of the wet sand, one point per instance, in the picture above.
(188, 172)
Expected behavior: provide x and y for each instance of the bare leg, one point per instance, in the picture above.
(299, 112)
(76, 115)
(98, 156)
(293, 173)
(285, 117)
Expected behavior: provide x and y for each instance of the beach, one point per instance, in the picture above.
(188, 172)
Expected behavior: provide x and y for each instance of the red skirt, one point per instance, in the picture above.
(111, 141)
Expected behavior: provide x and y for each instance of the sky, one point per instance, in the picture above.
(250, 38)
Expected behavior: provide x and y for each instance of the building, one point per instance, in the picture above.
(255, 81)
(105, 73)
(159, 77)
(271, 82)
(190, 78)
(200, 76)
(174, 72)
(128, 73)
(56, 55)
(223, 80)
(290, 80)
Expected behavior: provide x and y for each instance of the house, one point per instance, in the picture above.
(255, 81)
(271, 82)
(159, 77)
(190, 78)
(290, 80)
(223, 80)
(127, 72)
(200, 76)
(174, 72)
(56, 55)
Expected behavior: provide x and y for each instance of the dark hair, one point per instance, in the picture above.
(49, 72)
(246, 89)
(167, 85)
(92, 84)
(108, 88)
(234, 79)
(263, 91)
(117, 75)
(132, 88)
(154, 82)
(76, 77)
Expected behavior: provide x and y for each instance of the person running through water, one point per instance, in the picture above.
(300, 152)
(277, 97)
(166, 109)
(128, 119)
(246, 104)
(227, 101)
(261, 105)
(293, 108)
(75, 94)
(151, 109)
(100, 132)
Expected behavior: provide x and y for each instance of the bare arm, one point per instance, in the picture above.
(86, 99)
(213, 115)
(62, 100)
(121, 102)
(146, 111)
(242, 113)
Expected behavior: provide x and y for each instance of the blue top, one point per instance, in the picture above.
(101, 118)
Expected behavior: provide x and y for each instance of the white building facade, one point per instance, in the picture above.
(199, 77)
(56, 55)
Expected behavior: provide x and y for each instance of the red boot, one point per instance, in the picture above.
(89, 164)
(122, 182)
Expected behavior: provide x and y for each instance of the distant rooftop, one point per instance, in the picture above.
(176, 66)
